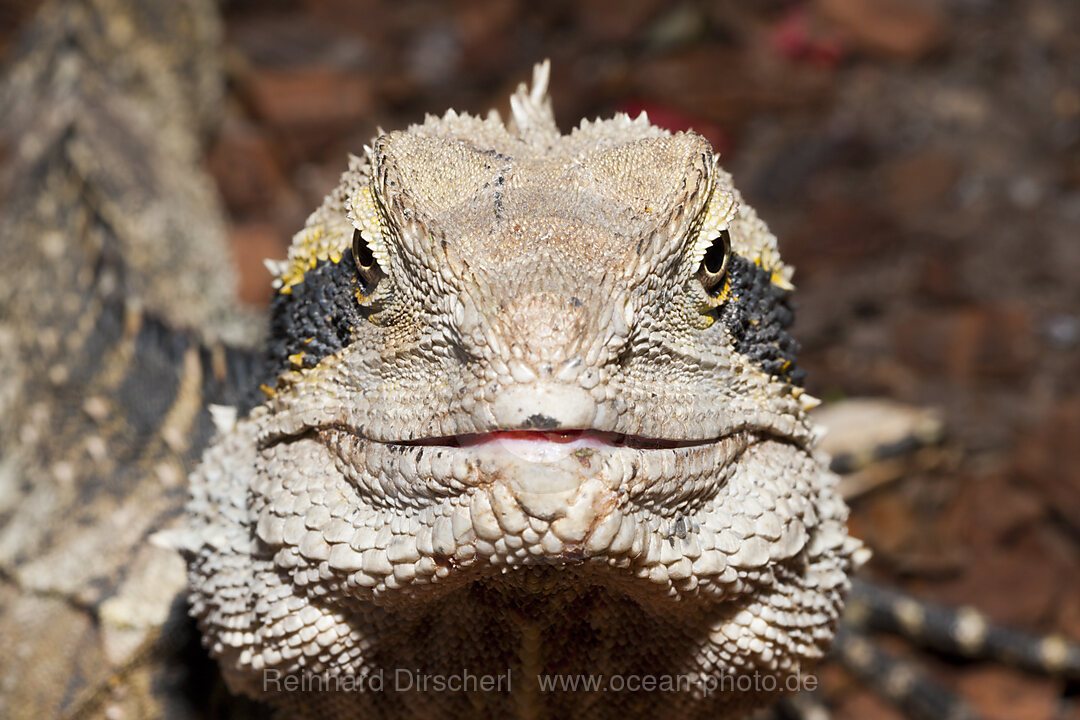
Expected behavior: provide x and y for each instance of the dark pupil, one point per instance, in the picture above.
(714, 256)
(361, 252)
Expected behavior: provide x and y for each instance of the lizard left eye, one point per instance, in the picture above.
(714, 264)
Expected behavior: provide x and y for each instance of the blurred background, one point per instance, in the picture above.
(919, 161)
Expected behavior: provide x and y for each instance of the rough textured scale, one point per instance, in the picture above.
(112, 302)
(511, 428)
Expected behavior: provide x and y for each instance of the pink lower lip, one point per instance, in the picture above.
(562, 437)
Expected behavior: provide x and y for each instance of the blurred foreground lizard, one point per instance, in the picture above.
(528, 412)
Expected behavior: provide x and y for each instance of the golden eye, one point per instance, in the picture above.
(366, 264)
(714, 264)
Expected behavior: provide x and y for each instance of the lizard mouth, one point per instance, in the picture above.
(565, 439)
(533, 463)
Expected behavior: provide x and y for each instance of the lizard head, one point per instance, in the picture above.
(514, 368)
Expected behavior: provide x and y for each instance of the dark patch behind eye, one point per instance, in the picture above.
(757, 313)
(316, 318)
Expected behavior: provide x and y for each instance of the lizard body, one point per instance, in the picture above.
(113, 305)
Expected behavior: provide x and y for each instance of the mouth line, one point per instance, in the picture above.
(583, 437)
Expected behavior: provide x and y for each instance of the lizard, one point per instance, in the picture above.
(533, 386)
(152, 314)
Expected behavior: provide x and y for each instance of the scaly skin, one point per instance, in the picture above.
(511, 426)
(114, 288)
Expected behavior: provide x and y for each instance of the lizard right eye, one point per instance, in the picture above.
(366, 264)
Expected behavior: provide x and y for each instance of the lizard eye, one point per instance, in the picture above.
(366, 264)
(714, 264)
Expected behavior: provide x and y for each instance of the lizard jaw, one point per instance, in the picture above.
(694, 527)
(512, 502)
